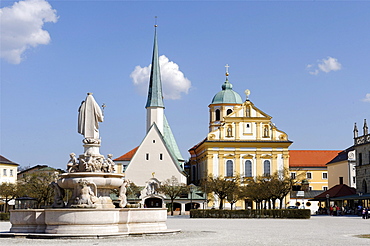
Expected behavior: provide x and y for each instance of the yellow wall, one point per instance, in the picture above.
(339, 169)
(317, 180)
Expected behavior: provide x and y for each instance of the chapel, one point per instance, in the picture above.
(158, 156)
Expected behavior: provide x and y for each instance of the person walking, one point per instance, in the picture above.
(364, 213)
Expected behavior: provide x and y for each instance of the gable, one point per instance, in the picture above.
(247, 123)
(153, 158)
(248, 110)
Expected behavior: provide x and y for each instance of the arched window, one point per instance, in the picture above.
(229, 168)
(266, 168)
(248, 168)
(229, 111)
(217, 113)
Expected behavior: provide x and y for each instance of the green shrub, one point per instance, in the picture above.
(264, 213)
(4, 216)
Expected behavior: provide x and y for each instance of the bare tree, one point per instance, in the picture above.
(172, 188)
(267, 189)
(222, 187)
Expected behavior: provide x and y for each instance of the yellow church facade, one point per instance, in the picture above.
(242, 141)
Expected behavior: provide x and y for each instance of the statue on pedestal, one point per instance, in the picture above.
(89, 116)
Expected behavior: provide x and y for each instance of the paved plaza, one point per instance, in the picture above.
(319, 230)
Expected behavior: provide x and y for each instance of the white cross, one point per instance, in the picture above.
(227, 69)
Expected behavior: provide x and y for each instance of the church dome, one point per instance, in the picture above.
(227, 95)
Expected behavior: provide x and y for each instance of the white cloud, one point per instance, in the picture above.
(173, 80)
(367, 98)
(21, 27)
(330, 64)
(324, 65)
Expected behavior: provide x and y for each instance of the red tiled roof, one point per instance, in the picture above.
(337, 191)
(128, 156)
(311, 158)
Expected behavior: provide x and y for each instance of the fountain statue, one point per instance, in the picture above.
(89, 212)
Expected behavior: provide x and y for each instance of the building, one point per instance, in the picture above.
(313, 164)
(39, 169)
(362, 150)
(8, 174)
(8, 170)
(242, 141)
(158, 155)
(342, 169)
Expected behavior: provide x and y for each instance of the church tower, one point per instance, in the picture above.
(242, 141)
(158, 156)
(223, 103)
(154, 105)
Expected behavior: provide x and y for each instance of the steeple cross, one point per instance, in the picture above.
(227, 69)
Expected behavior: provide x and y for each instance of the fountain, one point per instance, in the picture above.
(90, 211)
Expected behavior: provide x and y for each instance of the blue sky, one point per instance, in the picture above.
(305, 63)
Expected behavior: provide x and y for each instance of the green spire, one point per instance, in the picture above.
(155, 97)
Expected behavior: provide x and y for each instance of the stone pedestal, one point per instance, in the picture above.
(89, 222)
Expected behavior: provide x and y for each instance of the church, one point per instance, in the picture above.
(242, 141)
(157, 157)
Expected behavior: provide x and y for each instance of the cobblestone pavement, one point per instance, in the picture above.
(319, 230)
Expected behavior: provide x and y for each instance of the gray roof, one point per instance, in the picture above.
(227, 95)
(155, 97)
(4, 160)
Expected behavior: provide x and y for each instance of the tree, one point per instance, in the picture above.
(234, 196)
(9, 192)
(172, 188)
(287, 182)
(221, 187)
(267, 189)
(37, 185)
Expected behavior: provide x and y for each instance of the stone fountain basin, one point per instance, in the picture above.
(102, 180)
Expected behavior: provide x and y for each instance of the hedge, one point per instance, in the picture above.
(251, 213)
(4, 216)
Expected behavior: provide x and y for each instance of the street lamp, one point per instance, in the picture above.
(328, 201)
(191, 188)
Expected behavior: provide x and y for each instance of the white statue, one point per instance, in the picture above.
(111, 165)
(122, 194)
(86, 196)
(89, 117)
(72, 165)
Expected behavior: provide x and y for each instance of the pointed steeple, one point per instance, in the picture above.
(155, 97)
(366, 129)
(355, 131)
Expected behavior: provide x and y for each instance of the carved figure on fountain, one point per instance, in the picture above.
(122, 194)
(58, 195)
(86, 196)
